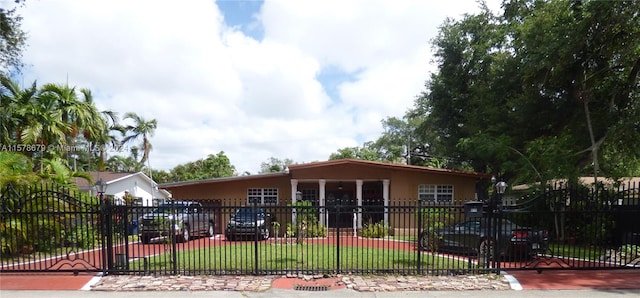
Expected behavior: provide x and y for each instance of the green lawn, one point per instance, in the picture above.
(576, 251)
(276, 257)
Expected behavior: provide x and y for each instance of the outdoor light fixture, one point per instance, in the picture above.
(101, 187)
(298, 196)
(501, 187)
(340, 185)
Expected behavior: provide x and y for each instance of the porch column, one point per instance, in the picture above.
(294, 192)
(359, 196)
(385, 196)
(322, 193)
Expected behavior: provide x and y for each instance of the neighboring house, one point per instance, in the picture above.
(144, 191)
(357, 183)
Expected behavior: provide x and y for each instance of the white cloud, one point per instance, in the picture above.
(211, 88)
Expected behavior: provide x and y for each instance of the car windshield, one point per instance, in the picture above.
(249, 213)
(170, 208)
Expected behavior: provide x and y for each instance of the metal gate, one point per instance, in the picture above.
(48, 228)
(587, 228)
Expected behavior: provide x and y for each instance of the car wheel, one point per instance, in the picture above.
(211, 230)
(145, 239)
(265, 233)
(486, 248)
(423, 242)
(229, 237)
(185, 234)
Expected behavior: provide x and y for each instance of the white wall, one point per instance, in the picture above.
(137, 186)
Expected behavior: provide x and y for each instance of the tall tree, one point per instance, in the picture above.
(14, 104)
(548, 89)
(140, 128)
(12, 40)
(275, 165)
(366, 152)
(214, 166)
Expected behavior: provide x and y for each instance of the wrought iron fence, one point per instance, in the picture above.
(52, 229)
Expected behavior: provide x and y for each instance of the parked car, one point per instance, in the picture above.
(248, 221)
(184, 218)
(473, 237)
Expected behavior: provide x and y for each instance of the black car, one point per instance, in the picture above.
(248, 222)
(473, 237)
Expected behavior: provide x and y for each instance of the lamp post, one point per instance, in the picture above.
(101, 187)
(495, 221)
(107, 237)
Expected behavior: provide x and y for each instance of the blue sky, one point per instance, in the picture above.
(292, 79)
(242, 15)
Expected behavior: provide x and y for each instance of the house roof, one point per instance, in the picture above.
(107, 177)
(387, 165)
(329, 163)
(222, 179)
(111, 177)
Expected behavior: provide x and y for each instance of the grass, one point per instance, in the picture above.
(282, 257)
(575, 251)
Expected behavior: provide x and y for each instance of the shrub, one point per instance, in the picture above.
(375, 230)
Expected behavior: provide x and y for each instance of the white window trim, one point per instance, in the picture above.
(262, 194)
(441, 193)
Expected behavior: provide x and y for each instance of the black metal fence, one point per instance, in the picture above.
(51, 229)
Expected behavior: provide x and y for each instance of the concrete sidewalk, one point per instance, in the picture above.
(272, 293)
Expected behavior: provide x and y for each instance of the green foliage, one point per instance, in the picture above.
(375, 230)
(82, 236)
(307, 224)
(630, 252)
(12, 39)
(214, 166)
(275, 165)
(315, 229)
(433, 218)
(13, 236)
(140, 129)
(366, 152)
(547, 89)
(15, 168)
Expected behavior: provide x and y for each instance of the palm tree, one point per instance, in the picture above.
(15, 104)
(140, 129)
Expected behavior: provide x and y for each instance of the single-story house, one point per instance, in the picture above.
(143, 189)
(358, 183)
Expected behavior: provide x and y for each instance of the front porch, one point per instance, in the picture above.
(361, 195)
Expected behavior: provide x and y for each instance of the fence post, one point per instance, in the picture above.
(172, 237)
(419, 265)
(108, 216)
(338, 207)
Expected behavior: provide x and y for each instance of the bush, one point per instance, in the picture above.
(375, 230)
(630, 252)
(82, 236)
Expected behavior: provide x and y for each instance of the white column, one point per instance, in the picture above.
(385, 196)
(322, 193)
(359, 196)
(294, 191)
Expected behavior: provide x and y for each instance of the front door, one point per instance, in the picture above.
(340, 207)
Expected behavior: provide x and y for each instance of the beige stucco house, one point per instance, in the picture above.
(351, 182)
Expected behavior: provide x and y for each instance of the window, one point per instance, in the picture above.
(428, 193)
(310, 195)
(262, 196)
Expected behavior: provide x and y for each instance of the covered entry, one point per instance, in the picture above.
(339, 201)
